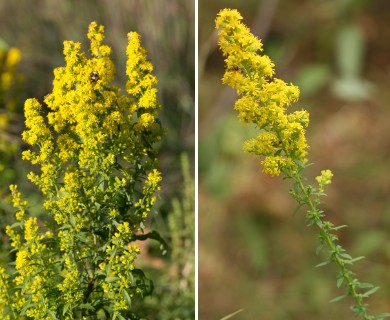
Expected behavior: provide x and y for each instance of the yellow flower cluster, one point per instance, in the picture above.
(152, 184)
(40, 308)
(263, 100)
(121, 264)
(17, 202)
(14, 236)
(98, 178)
(324, 179)
(69, 287)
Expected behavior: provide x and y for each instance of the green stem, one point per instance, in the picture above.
(333, 248)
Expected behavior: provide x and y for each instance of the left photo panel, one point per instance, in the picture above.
(97, 159)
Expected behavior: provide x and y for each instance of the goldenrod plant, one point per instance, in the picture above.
(281, 143)
(95, 149)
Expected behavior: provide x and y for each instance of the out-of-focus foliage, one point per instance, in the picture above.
(10, 80)
(174, 293)
(248, 237)
(10, 86)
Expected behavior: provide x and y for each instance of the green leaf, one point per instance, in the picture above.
(339, 227)
(345, 255)
(319, 223)
(52, 315)
(106, 313)
(356, 259)
(155, 236)
(127, 297)
(319, 194)
(322, 264)
(382, 316)
(87, 306)
(297, 208)
(365, 285)
(338, 298)
(131, 278)
(16, 224)
(370, 292)
(113, 253)
(66, 308)
(111, 279)
(82, 236)
(65, 226)
(72, 221)
(300, 164)
(108, 268)
(339, 282)
(278, 152)
(319, 248)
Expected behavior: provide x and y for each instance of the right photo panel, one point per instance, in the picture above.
(294, 150)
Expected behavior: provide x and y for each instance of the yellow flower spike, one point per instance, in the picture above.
(21, 259)
(263, 99)
(96, 35)
(324, 179)
(20, 215)
(154, 178)
(30, 229)
(37, 131)
(138, 69)
(148, 98)
(16, 197)
(146, 120)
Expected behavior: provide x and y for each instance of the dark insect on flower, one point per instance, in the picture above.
(94, 76)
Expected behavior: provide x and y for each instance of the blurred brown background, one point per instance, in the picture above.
(253, 253)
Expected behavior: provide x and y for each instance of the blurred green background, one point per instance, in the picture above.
(253, 253)
(38, 28)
